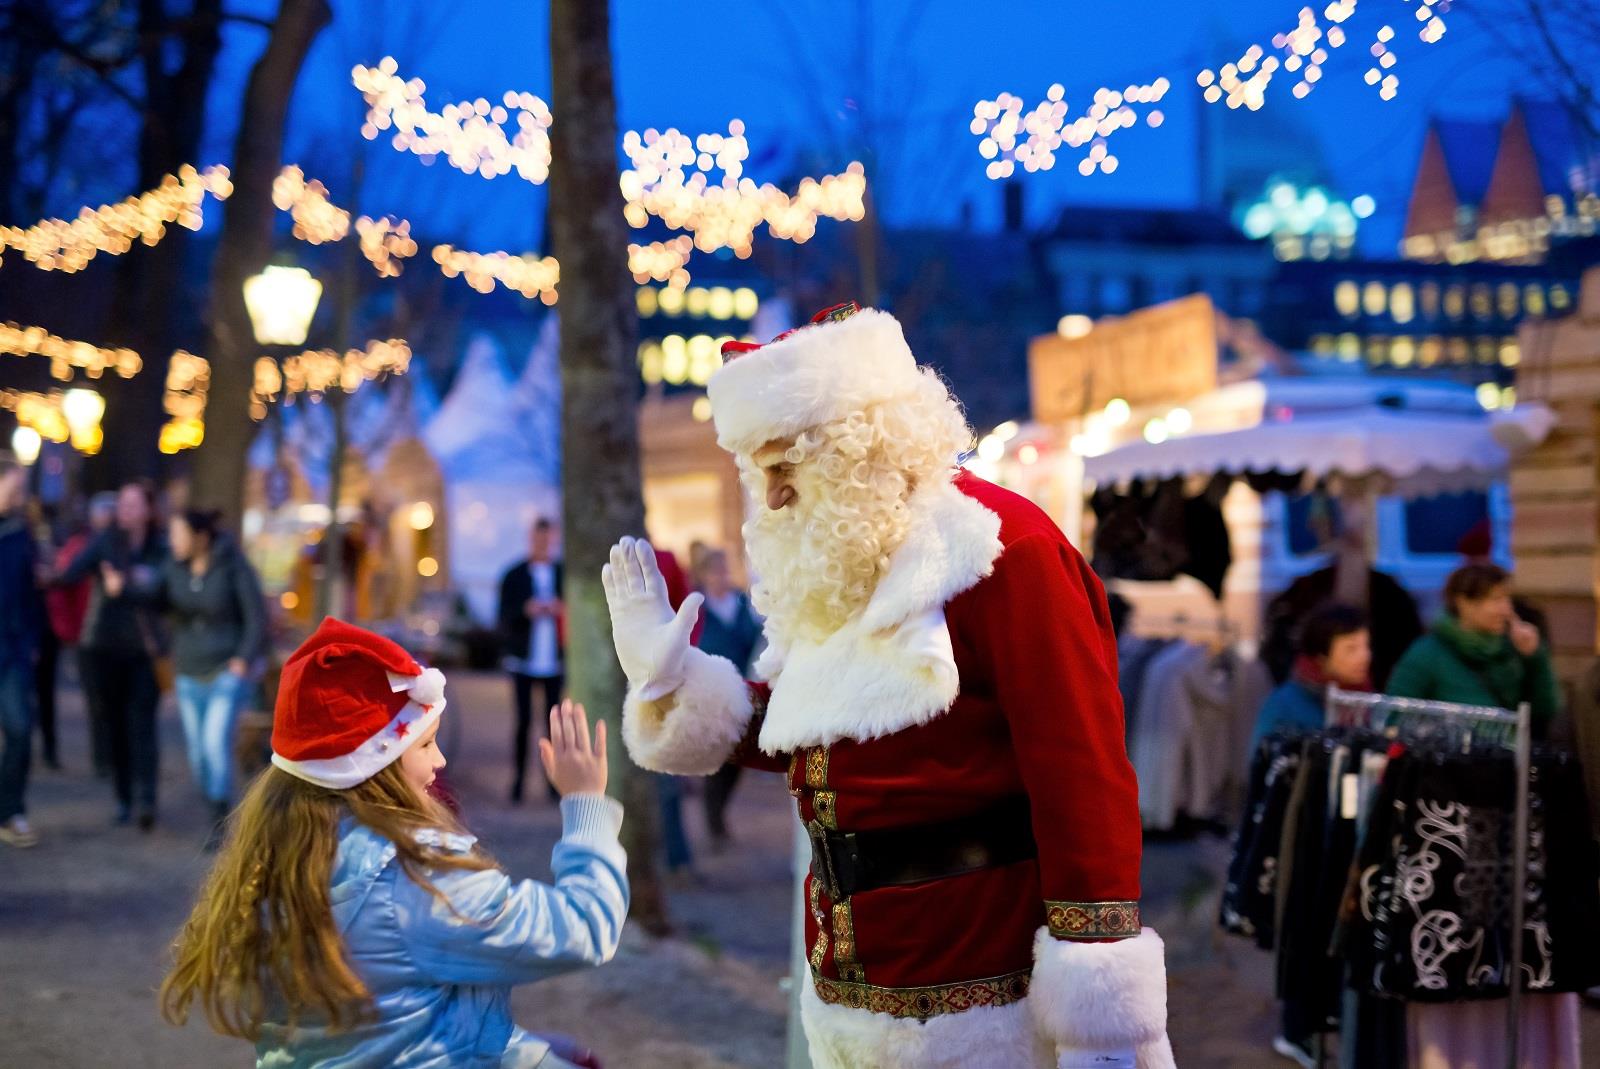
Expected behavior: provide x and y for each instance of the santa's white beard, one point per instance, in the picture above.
(819, 560)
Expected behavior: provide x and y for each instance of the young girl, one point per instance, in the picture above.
(349, 921)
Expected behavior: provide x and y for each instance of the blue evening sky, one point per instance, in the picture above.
(815, 81)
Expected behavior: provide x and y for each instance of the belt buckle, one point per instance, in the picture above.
(822, 860)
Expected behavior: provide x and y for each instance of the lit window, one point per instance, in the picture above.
(1322, 344)
(1349, 347)
(1508, 300)
(1533, 299)
(1482, 304)
(645, 299)
(671, 301)
(1347, 299)
(1403, 351)
(698, 301)
(1377, 349)
(720, 304)
(1484, 349)
(1402, 302)
(650, 362)
(674, 359)
(1510, 352)
(1373, 298)
(1560, 299)
(1431, 351)
(1460, 352)
(1428, 298)
(1455, 302)
(745, 302)
(704, 359)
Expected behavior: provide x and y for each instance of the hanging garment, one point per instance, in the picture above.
(1135, 655)
(1249, 898)
(1463, 1035)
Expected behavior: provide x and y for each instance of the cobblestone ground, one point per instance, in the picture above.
(86, 917)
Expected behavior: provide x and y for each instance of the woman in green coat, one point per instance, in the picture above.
(1480, 652)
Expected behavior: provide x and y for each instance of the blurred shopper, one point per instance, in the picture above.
(47, 665)
(1349, 580)
(1335, 648)
(1480, 652)
(729, 627)
(122, 643)
(20, 626)
(67, 606)
(213, 600)
(532, 629)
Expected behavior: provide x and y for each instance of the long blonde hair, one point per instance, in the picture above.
(819, 560)
(263, 926)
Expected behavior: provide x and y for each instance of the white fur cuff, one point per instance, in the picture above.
(693, 730)
(1102, 996)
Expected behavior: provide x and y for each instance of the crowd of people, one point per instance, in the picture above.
(147, 607)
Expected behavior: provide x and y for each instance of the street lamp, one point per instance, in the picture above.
(281, 302)
(25, 443)
(82, 410)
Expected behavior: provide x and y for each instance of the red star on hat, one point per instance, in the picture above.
(401, 728)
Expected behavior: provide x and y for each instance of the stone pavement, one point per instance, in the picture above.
(85, 920)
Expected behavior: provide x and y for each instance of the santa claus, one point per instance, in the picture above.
(942, 694)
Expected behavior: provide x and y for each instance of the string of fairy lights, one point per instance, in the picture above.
(317, 371)
(1012, 135)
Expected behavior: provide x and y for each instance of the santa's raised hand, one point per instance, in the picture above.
(651, 639)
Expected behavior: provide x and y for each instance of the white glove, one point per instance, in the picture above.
(651, 640)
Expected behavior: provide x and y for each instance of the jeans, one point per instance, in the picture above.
(45, 689)
(670, 794)
(125, 683)
(210, 709)
(16, 727)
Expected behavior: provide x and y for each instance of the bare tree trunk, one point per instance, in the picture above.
(149, 281)
(244, 248)
(602, 498)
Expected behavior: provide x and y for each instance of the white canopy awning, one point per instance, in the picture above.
(1409, 453)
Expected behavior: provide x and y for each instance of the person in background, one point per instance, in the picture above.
(1480, 652)
(531, 633)
(669, 789)
(1336, 648)
(67, 606)
(47, 527)
(213, 601)
(121, 642)
(20, 625)
(729, 627)
(350, 919)
(1349, 580)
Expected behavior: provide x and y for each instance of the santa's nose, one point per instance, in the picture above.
(780, 497)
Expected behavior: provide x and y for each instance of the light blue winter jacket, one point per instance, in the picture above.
(442, 984)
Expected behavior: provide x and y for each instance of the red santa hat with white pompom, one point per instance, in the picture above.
(349, 704)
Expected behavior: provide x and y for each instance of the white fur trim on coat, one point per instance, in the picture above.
(1102, 996)
(993, 1037)
(818, 374)
(893, 666)
(693, 730)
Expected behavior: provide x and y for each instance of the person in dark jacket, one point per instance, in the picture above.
(213, 601)
(1396, 623)
(21, 621)
(531, 634)
(1335, 647)
(1480, 652)
(729, 627)
(122, 639)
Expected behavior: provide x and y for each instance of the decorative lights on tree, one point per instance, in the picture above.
(316, 371)
(188, 383)
(56, 244)
(1009, 136)
(662, 261)
(470, 135)
(385, 242)
(40, 412)
(65, 355)
(316, 219)
(529, 275)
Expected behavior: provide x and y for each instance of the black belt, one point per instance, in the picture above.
(850, 862)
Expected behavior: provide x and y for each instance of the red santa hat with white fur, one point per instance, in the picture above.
(844, 360)
(349, 704)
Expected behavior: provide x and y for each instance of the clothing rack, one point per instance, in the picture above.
(1183, 626)
(1402, 718)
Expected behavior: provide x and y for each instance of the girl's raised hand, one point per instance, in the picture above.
(574, 763)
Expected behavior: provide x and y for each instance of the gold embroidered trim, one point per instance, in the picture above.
(844, 944)
(922, 1003)
(817, 767)
(1092, 920)
(819, 949)
(826, 806)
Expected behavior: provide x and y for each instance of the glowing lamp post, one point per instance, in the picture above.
(25, 443)
(282, 302)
